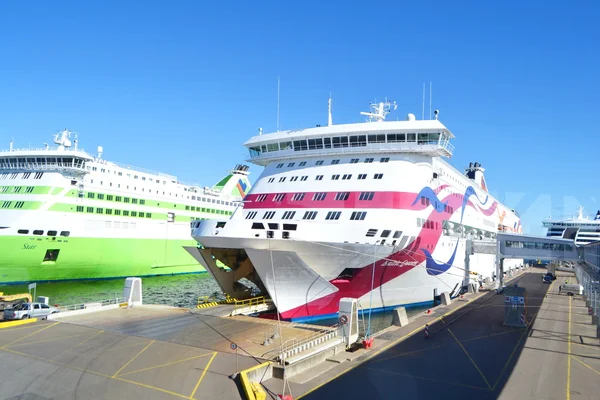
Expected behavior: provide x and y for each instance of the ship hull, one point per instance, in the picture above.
(92, 258)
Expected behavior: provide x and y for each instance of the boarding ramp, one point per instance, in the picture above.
(536, 247)
(518, 246)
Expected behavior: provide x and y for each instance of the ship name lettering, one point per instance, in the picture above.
(29, 246)
(393, 263)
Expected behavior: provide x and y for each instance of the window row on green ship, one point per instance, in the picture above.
(149, 203)
(64, 207)
(25, 189)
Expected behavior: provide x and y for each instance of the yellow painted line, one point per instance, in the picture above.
(529, 326)
(568, 387)
(96, 373)
(10, 324)
(31, 334)
(18, 329)
(395, 342)
(54, 362)
(426, 379)
(118, 348)
(50, 340)
(78, 344)
(134, 357)
(471, 359)
(447, 345)
(202, 376)
(590, 367)
(165, 364)
(150, 387)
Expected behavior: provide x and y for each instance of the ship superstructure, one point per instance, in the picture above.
(370, 210)
(583, 230)
(67, 214)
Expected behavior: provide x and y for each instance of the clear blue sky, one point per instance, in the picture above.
(179, 86)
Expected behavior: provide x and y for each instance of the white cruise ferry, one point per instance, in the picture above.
(370, 210)
(583, 230)
(66, 214)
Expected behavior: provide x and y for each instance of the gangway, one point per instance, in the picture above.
(518, 246)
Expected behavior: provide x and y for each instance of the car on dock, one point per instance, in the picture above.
(29, 310)
(549, 277)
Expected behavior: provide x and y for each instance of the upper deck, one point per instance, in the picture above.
(428, 137)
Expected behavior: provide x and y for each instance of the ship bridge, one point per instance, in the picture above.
(428, 137)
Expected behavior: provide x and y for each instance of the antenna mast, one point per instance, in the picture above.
(329, 119)
(423, 109)
(277, 103)
(430, 97)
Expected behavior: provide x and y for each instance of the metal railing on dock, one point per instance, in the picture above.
(294, 345)
(100, 303)
(588, 276)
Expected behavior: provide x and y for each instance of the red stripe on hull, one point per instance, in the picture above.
(405, 260)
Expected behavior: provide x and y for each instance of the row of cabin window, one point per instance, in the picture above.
(334, 177)
(208, 210)
(425, 201)
(118, 173)
(110, 197)
(40, 232)
(274, 226)
(26, 175)
(17, 189)
(319, 196)
(109, 211)
(310, 215)
(8, 204)
(384, 234)
(335, 162)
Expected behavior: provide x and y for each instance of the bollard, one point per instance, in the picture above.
(426, 331)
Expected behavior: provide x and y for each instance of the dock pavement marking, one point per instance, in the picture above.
(166, 364)
(78, 344)
(446, 345)
(28, 325)
(426, 378)
(471, 359)
(48, 340)
(134, 357)
(112, 348)
(31, 334)
(589, 366)
(525, 332)
(395, 342)
(95, 373)
(568, 386)
(202, 376)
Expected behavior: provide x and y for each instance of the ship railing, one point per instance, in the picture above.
(43, 149)
(252, 301)
(91, 304)
(41, 167)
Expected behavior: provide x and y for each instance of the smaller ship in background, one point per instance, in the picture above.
(583, 230)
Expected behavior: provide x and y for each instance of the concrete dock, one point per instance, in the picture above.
(165, 353)
(149, 352)
(471, 354)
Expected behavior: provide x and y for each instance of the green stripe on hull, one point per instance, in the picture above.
(92, 258)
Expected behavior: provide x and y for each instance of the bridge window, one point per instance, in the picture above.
(300, 145)
(377, 138)
(315, 144)
(285, 145)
